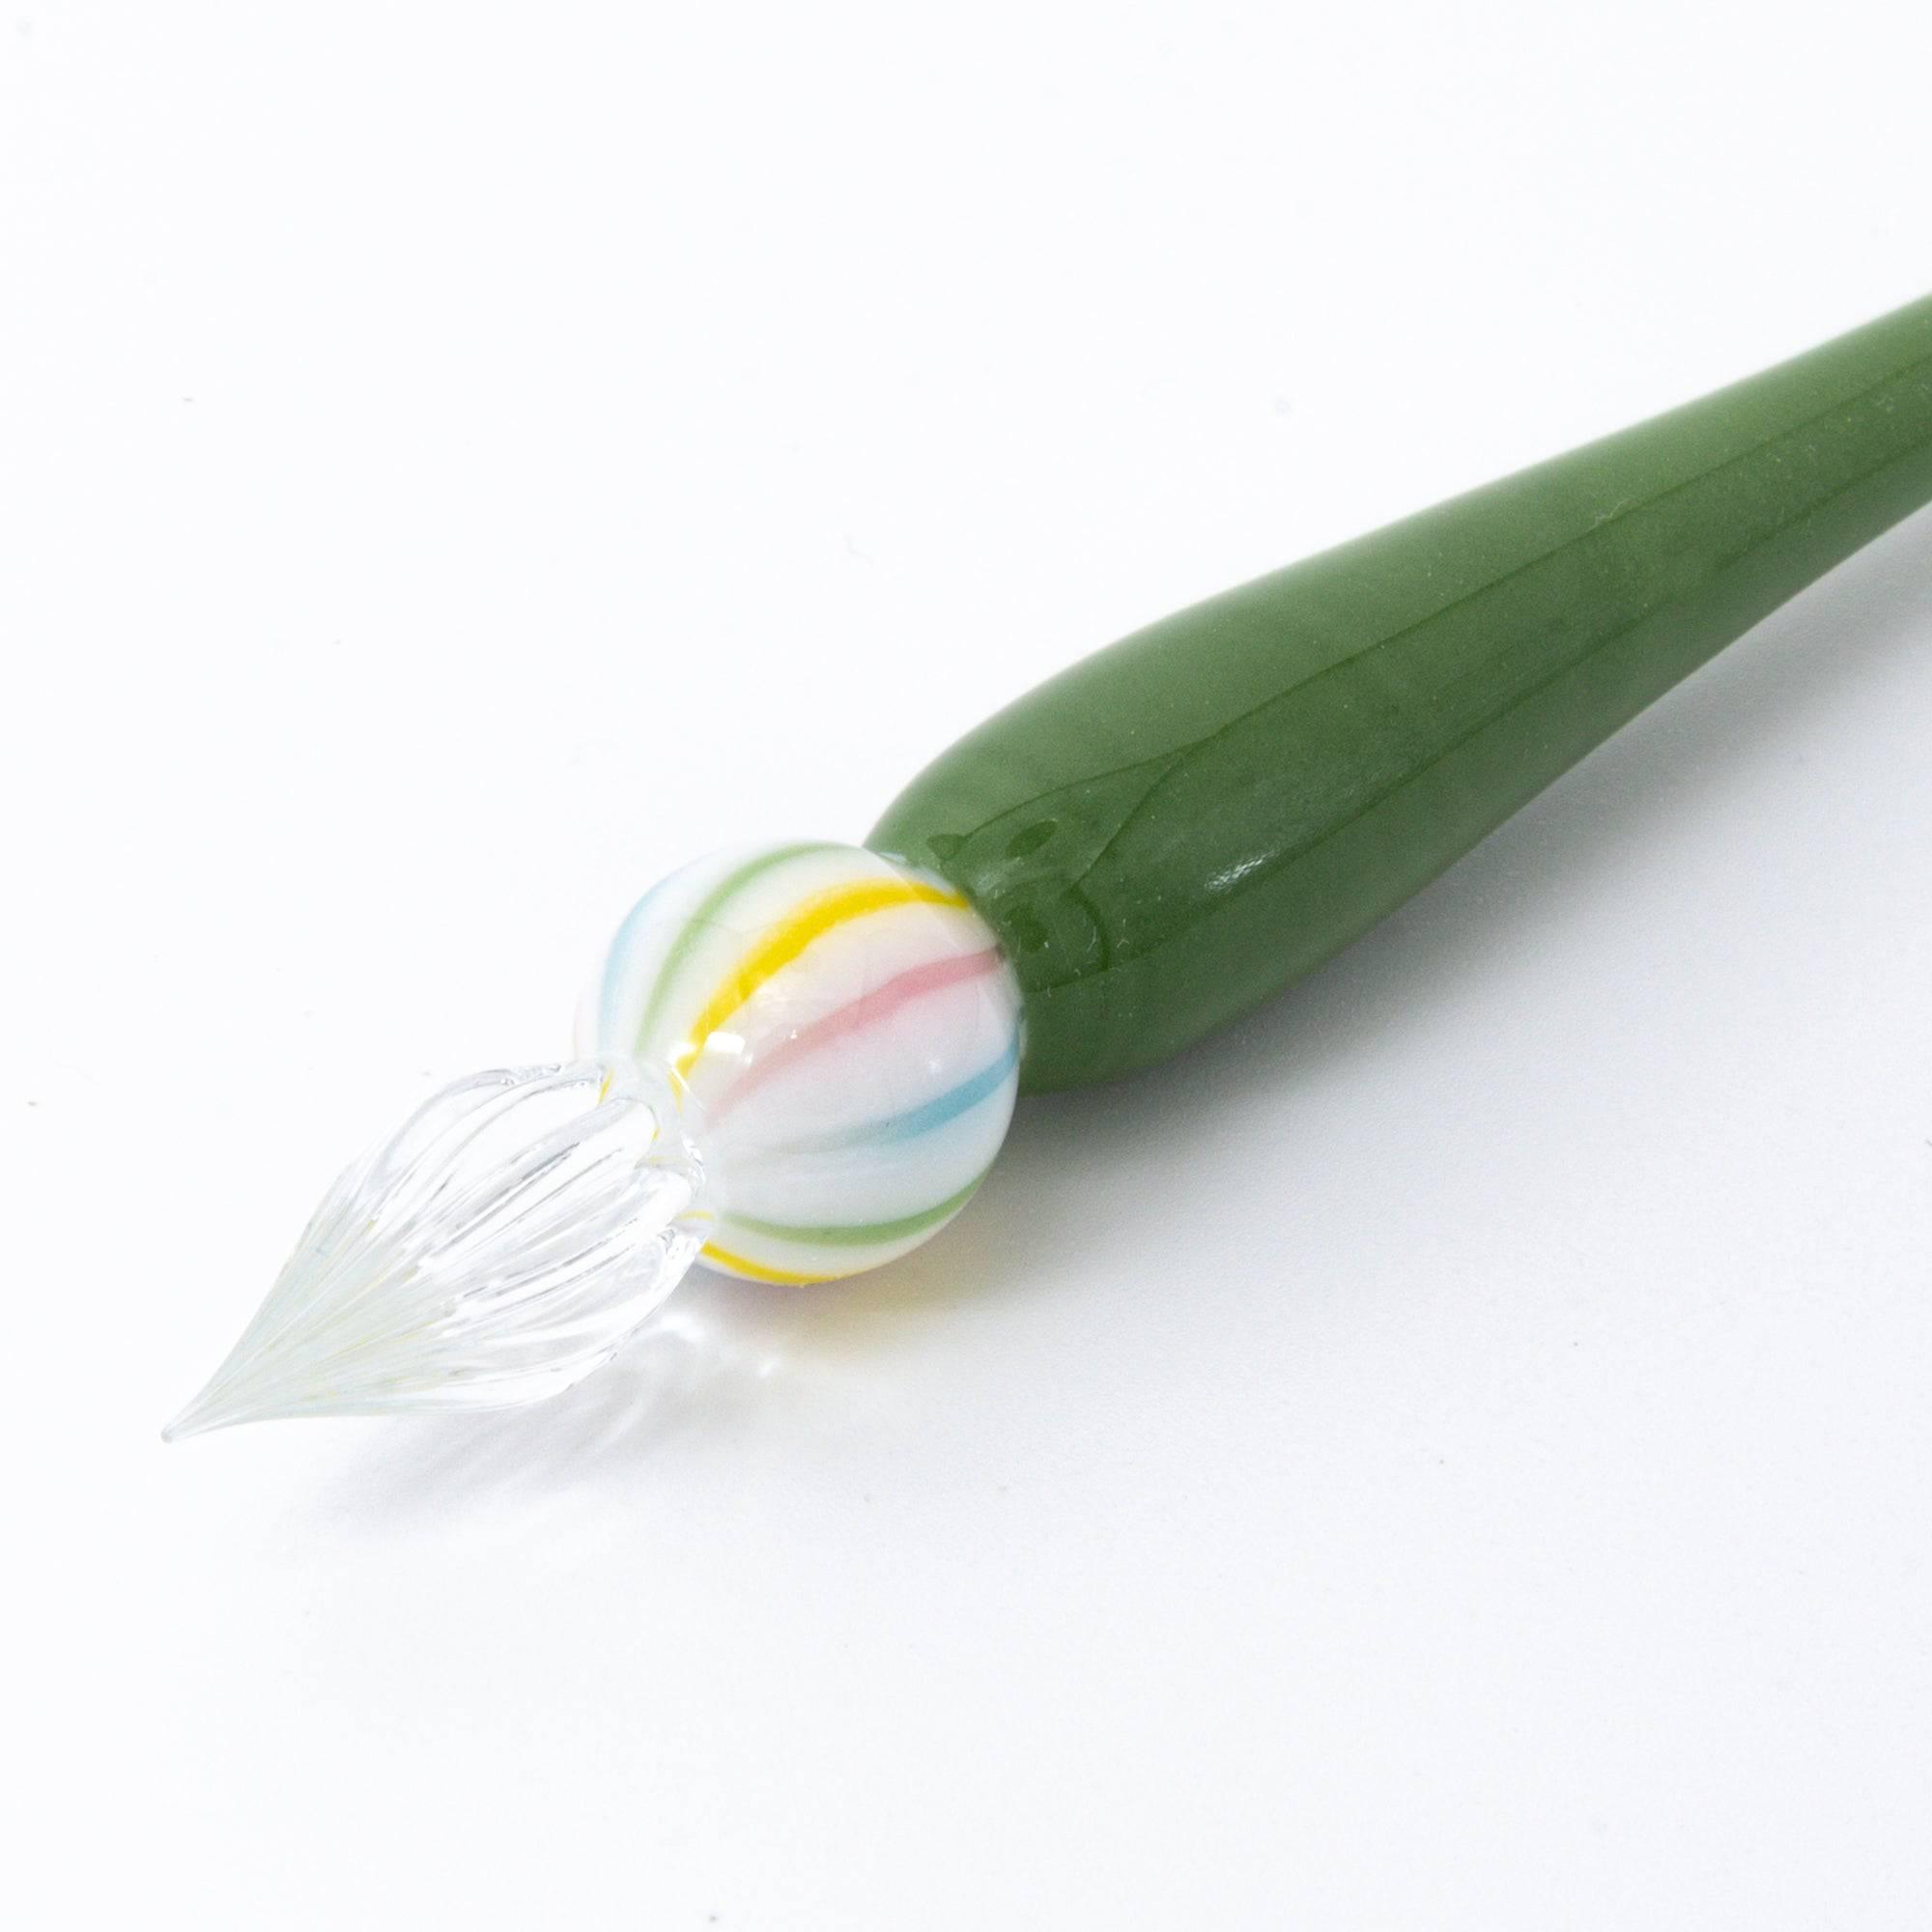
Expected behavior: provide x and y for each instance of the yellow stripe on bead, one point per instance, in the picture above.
(778, 948)
(758, 1271)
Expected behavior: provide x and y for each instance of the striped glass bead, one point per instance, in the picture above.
(841, 1035)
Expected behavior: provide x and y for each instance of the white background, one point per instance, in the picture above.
(1452, 1453)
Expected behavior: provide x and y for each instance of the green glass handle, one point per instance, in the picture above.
(1183, 823)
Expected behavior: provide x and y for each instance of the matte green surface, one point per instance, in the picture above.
(1178, 826)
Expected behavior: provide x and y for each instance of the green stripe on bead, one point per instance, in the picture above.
(708, 908)
(859, 1233)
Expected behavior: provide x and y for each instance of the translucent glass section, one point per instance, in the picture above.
(498, 1248)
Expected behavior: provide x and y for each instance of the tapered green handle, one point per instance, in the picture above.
(1183, 823)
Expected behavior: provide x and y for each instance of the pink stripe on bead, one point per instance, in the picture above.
(844, 1022)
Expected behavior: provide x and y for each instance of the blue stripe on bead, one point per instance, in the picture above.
(949, 1106)
(915, 1120)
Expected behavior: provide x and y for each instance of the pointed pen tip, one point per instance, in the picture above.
(200, 1416)
(519, 1227)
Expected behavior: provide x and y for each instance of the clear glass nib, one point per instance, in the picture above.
(516, 1230)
